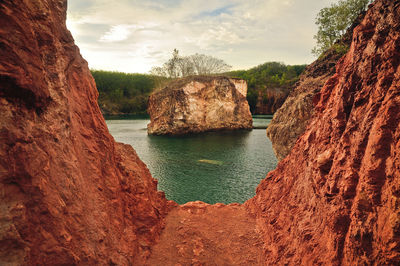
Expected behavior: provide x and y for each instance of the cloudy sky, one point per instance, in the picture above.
(134, 35)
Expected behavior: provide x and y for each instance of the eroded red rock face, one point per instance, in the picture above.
(335, 199)
(69, 193)
(291, 119)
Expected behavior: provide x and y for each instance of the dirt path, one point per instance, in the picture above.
(201, 234)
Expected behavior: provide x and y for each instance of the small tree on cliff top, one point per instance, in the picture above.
(333, 22)
(183, 66)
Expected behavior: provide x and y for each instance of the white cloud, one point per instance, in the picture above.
(116, 33)
(214, 37)
(133, 35)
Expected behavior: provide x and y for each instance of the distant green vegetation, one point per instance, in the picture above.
(122, 93)
(271, 75)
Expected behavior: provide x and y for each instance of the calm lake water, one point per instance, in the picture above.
(212, 167)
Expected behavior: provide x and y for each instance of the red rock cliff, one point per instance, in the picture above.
(335, 199)
(69, 193)
(291, 119)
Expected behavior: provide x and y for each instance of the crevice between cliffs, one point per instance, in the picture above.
(71, 195)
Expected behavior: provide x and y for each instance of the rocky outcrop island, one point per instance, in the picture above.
(199, 104)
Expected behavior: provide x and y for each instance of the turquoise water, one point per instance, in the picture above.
(212, 167)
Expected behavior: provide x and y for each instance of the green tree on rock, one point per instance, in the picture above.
(333, 22)
(182, 66)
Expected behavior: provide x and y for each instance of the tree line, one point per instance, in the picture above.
(123, 93)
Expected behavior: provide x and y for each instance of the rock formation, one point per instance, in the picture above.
(198, 104)
(335, 199)
(291, 119)
(69, 193)
(270, 101)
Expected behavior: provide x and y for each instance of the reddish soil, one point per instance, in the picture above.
(197, 233)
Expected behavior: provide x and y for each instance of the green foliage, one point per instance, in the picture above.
(124, 93)
(340, 48)
(333, 22)
(271, 75)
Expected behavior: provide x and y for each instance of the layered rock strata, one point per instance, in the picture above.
(291, 119)
(69, 194)
(270, 101)
(198, 104)
(335, 199)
